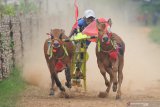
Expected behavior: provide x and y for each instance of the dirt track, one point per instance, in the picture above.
(141, 70)
(141, 79)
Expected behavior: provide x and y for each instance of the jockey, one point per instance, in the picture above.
(89, 16)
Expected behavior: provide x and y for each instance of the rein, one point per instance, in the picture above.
(62, 45)
(105, 51)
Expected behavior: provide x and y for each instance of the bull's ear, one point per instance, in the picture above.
(103, 26)
(47, 33)
(62, 31)
(51, 31)
(97, 21)
(110, 21)
(60, 36)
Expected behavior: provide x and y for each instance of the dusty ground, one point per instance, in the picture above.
(141, 79)
(141, 69)
(35, 97)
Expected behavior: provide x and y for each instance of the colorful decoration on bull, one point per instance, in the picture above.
(105, 32)
(92, 29)
(59, 66)
(52, 50)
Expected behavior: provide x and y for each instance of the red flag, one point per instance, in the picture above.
(76, 15)
(92, 30)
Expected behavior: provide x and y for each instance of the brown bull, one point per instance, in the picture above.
(58, 55)
(110, 59)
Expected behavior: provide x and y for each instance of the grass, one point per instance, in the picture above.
(155, 34)
(11, 88)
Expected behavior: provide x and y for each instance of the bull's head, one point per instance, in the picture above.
(56, 37)
(103, 27)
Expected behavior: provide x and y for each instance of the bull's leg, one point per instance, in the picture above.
(111, 79)
(52, 85)
(68, 77)
(55, 76)
(58, 83)
(52, 79)
(107, 83)
(114, 74)
(120, 78)
(114, 81)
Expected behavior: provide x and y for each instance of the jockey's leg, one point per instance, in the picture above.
(79, 69)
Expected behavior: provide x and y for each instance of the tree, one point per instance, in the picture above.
(151, 6)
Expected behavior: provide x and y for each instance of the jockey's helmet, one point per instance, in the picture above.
(89, 13)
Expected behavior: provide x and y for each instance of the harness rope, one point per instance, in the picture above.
(50, 49)
(114, 47)
(113, 52)
(59, 64)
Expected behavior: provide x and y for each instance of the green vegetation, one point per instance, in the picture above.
(155, 34)
(151, 11)
(151, 6)
(24, 7)
(27, 7)
(11, 88)
(9, 10)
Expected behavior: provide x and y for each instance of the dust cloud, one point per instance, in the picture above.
(142, 60)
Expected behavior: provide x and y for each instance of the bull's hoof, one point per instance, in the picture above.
(118, 97)
(51, 93)
(68, 84)
(102, 94)
(62, 88)
(64, 95)
(114, 88)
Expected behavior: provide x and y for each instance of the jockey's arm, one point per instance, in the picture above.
(73, 31)
(81, 23)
